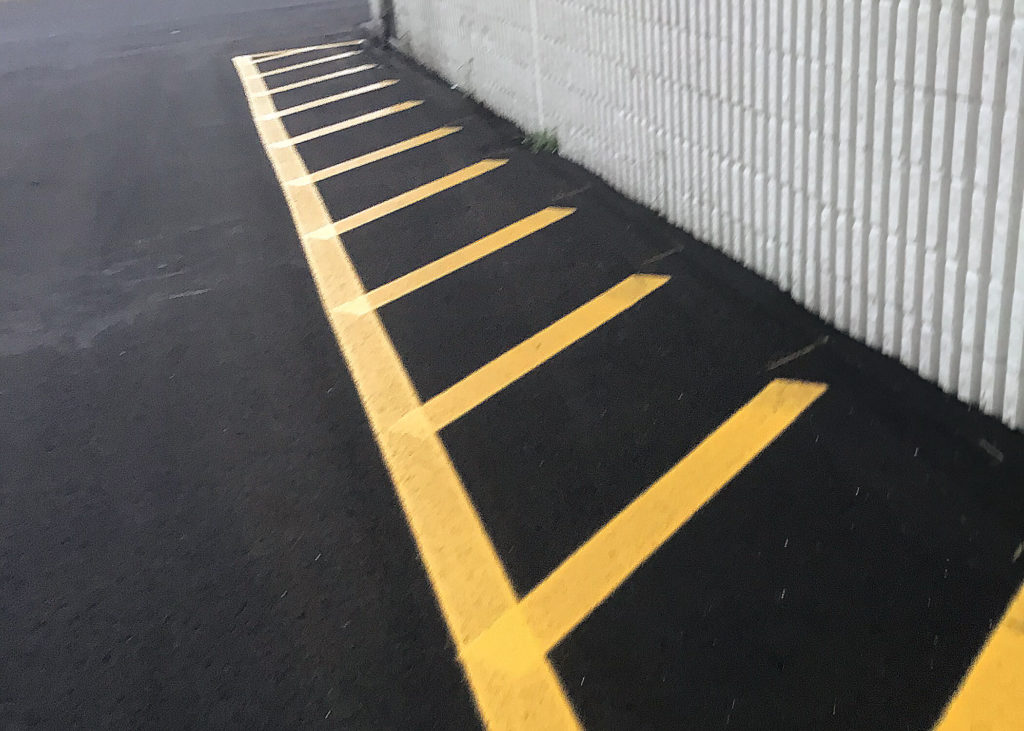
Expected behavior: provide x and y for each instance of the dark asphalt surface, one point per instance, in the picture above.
(196, 530)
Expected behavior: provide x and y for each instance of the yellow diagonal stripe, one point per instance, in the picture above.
(456, 260)
(469, 580)
(384, 152)
(319, 79)
(346, 124)
(512, 365)
(333, 98)
(307, 64)
(408, 198)
(275, 55)
(598, 567)
(991, 697)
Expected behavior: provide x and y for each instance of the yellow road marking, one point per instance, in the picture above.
(384, 152)
(274, 55)
(307, 64)
(333, 98)
(346, 124)
(407, 199)
(512, 365)
(598, 567)
(469, 580)
(318, 79)
(991, 697)
(456, 260)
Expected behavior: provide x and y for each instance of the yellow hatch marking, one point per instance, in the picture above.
(319, 79)
(444, 266)
(469, 580)
(598, 567)
(381, 154)
(406, 199)
(305, 64)
(346, 124)
(274, 55)
(992, 695)
(332, 98)
(512, 365)
(502, 641)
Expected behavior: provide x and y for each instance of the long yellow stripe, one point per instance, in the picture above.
(991, 697)
(456, 260)
(319, 79)
(512, 365)
(598, 567)
(407, 199)
(275, 55)
(333, 98)
(469, 580)
(347, 124)
(306, 64)
(384, 152)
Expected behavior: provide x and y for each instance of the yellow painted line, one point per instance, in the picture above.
(307, 64)
(319, 79)
(407, 199)
(991, 697)
(347, 124)
(332, 98)
(275, 55)
(470, 583)
(512, 365)
(598, 567)
(384, 152)
(456, 260)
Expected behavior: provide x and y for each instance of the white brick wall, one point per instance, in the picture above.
(866, 155)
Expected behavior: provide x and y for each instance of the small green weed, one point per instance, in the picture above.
(543, 141)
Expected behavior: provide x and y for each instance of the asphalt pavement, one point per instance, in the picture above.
(197, 528)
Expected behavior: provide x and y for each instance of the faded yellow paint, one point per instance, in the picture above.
(275, 55)
(597, 568)
(407, 199)
(512, 365)
(469, 580)
(376, 155)
(444, 266)
(332, 98)
(305, 64)
(347, 124)
(991, 697)
(321, 79)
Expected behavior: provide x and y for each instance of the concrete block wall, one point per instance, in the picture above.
(865, 155)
